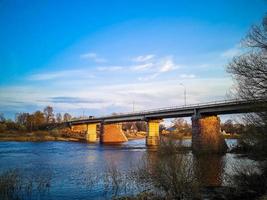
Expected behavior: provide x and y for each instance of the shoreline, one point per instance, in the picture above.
(40, 139)
(48, 136)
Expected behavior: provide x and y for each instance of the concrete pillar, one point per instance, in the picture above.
(152, 137)
(206, 136)
(112, 133)
(91, 133)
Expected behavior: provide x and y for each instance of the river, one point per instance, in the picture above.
(67, 165)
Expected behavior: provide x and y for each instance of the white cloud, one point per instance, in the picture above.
(102, 100)
(143, 58)
(60, 74)
(230, 53)
(142, 67)
(110, 68)
(149, 77)
(187, 76)
(160, 66)
(94, 57)
(167, 64)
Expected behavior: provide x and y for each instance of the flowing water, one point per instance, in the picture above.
(69, 164)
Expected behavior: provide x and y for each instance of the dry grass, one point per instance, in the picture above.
(15, 186)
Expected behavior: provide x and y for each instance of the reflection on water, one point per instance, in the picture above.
(69, 162)
(211, 168)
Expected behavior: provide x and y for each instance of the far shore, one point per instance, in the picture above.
(39, 136)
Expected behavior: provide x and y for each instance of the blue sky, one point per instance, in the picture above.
(98, 57)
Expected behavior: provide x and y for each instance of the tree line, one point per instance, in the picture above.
(33, 121)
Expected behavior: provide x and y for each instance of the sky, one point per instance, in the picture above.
(97, 57)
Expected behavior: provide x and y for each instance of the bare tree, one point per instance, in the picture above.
(249, 70)
(21, 118)
(49, 115)
(58, 117)
(66, 117)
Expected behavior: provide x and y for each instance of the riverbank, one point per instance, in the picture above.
(39, 136)
(178, 137)
(65, 135)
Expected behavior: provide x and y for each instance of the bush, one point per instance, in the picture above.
(3, 127)
(249, 182)
(171, 174)
(13, 185)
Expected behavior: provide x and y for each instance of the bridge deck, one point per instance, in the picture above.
(209, 108)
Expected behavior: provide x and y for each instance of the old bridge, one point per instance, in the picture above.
(205, 122)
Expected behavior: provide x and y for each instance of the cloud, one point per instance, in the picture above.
(107, 98)
(187, 76)
(160, 66)
(167, 64)
(143, 58)
(67, 99)
(149, 77)
(94, 57)
(110, 68)
(142, 67)
(60, 74)
(230, 53)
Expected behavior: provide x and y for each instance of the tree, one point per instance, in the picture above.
(66, 117)
(38, 119)
(58, 117)
(2, 118)
(181, 126)
(49, 115)
(228, 126)
(30, 122)
(141, 126)
(21, 118)
(249, 70)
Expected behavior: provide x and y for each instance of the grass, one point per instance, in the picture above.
(15, 186)
(53, 135)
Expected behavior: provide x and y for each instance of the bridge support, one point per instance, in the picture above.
(91, 133)
(152, 137)
(112, 133)
(206, 136)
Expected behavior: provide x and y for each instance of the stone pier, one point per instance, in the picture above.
(152, 137)
(112, 133)
(91, 134)
(206, 135)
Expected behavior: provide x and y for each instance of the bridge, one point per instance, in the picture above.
(205, 122)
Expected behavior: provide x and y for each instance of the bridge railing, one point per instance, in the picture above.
(189, 106)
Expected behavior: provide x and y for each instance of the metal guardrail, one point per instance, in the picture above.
(170, 108)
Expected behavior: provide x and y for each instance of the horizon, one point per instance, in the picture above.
(98, 58)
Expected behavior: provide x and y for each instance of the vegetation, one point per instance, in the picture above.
(13, 185)
(249, 70)
(33, 122)
(38, 126)
(233, 128)
(167, 175)
(170, 173)
(164, 174)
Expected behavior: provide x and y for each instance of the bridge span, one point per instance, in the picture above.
(205, 122)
